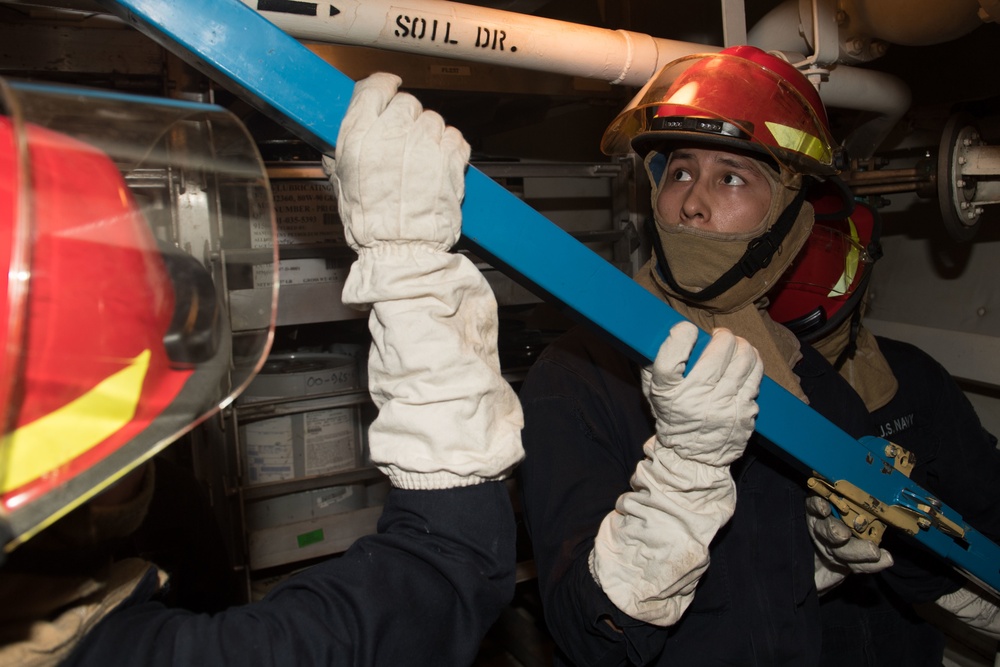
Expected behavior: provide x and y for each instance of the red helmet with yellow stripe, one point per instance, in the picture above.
(115, 341)
(828, 279)
(738, 99)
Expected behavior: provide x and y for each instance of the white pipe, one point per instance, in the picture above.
(825, 42)
(779, 30)
(911, 22)
(845, 87)
(866, 90)
(477, 34)
(905, 22)
(734, 22)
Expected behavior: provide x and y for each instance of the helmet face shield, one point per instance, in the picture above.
(134, 214)
(636, 117)
(731, 102)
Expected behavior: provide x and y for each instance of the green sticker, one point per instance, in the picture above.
(312, 537)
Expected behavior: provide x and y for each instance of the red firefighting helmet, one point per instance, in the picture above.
(115, 343)
(739, 99)
(827, 281)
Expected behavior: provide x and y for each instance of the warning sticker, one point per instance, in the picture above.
(299, 272)
(305, 212)
(270, 453)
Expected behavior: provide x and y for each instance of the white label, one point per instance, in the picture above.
(306, 212)
(299, 272)
(329, 441)
(260, 225)
(269, 451)
(451, 70)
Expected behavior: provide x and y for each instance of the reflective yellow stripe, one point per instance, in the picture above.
(851, 264)
(62, 435)
(800, 142)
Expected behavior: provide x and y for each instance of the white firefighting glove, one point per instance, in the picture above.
(973, 610)
(446, 416)
(838, 551)
(651, 551)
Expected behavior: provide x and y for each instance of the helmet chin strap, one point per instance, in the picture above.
(760, 250)
(852, 340)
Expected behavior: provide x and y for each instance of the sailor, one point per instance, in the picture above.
(430, 583)
(665, 531)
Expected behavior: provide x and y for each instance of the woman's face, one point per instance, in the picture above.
(713, 191)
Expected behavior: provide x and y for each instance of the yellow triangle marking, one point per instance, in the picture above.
(60, 436)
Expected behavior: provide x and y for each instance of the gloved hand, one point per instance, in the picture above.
(651, 551)
(446, 416)
(399, 172)
(709, 415)
(974, 610)
(839, 551)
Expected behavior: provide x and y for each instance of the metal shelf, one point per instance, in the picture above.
(250, 411)
(339, 478)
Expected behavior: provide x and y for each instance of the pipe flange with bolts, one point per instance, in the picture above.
(956, 191)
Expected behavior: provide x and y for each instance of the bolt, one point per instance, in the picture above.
(960, 183)
(970, 215)
(962, 160)
(855, 46)
(979, 210)
(967, 142)
(964, 205)
(841, 17)
(981, 311)
(879, 48)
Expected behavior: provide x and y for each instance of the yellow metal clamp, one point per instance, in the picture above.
(867, 516)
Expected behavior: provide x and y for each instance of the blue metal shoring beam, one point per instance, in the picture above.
(240, 48)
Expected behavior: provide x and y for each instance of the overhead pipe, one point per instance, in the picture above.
(783, 29)
(734, 22)
(866, 28)
(911, 22)
(477, 34)
(885, 95)
(780, 30)
(825, 43)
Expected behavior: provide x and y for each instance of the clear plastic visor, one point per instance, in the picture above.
(194, 176)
